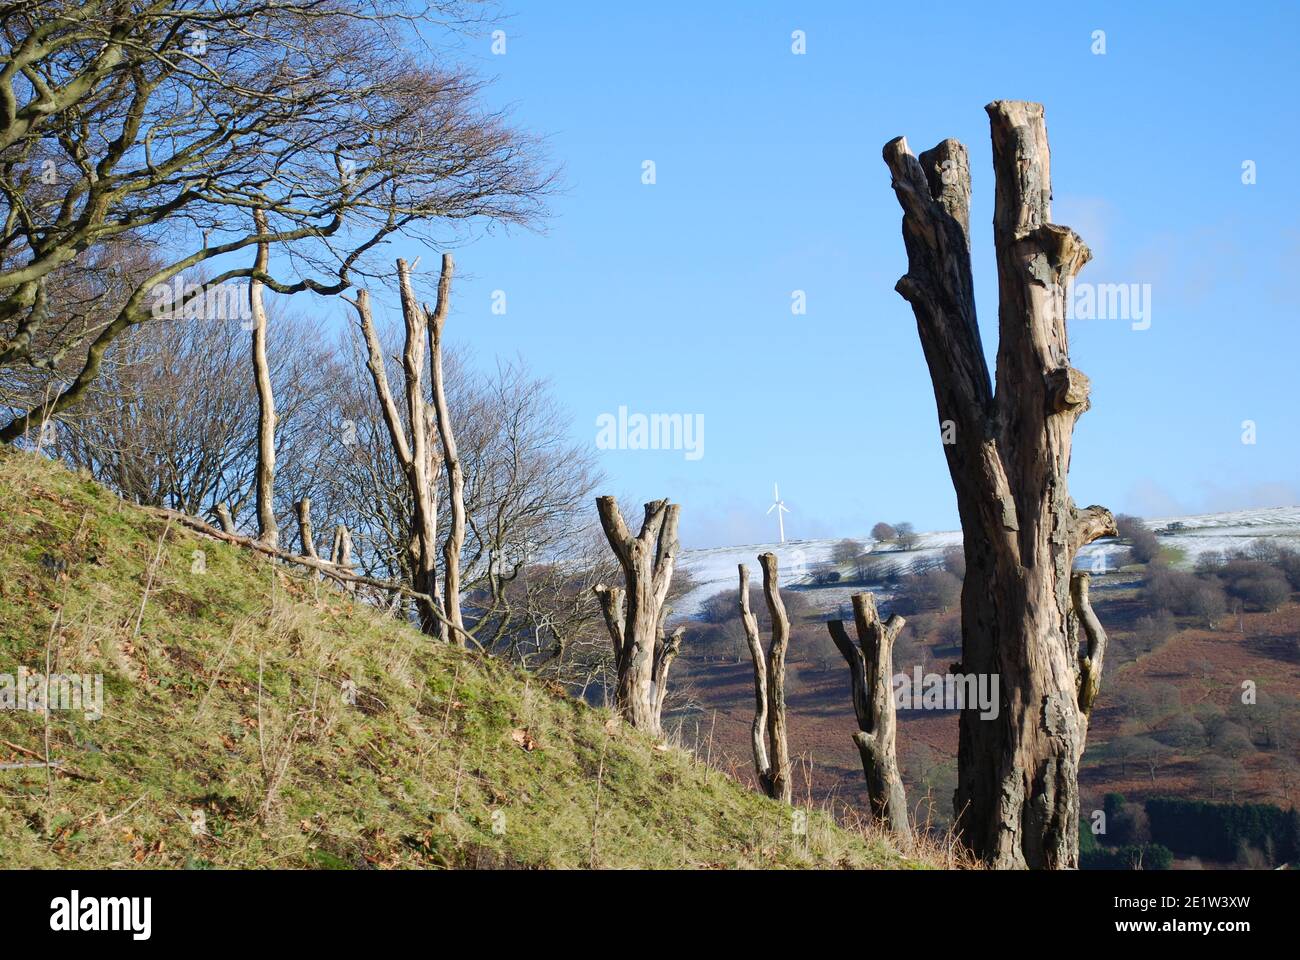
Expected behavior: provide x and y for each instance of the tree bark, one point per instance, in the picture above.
(871, 672)
(757, 732)
(267, 530)
(225, 518)
(769, 730)
(341, 553)
(635, 615)
(1017, 801)
(413, 454)
(305, 535)
(455, 541)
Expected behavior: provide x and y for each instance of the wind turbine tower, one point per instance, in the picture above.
(779, 506)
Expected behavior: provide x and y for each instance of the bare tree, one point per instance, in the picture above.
(164, 123)
(871, 672)
(526, 490)
(769, 728)
(413, 452)
(455, 542)
(642, 653)
(168, 425)
(1018, 794)
(267, 530)
(846, 551)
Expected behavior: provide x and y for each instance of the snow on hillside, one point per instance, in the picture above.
(714, 568)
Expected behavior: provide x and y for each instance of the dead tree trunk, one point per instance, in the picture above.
(305, 534)
(225, 518)
(1017, 800)
(413, 453)
(455, 541)
(871, 672)
(267, 530)
(341, 553)
(769, 730)
(635, 616)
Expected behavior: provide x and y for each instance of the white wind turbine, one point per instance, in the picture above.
(779, 506)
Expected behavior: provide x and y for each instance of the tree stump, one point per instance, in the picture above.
(871, 671)
(1017, 801)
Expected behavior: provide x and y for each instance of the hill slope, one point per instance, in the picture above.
(228, 739)
(713, 569)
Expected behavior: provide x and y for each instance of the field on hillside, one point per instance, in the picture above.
(255, 717)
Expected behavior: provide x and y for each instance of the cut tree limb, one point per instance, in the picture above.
(871, 671)
(305, 534)
(635, 615)
(1017, 800)
(413, 453)
(771, 751)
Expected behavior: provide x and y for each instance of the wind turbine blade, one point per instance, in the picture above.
(771, 508)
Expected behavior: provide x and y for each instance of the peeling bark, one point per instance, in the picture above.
(635, 615)
(871, 672)
(1017, 801)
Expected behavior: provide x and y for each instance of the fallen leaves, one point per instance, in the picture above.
(524, 739)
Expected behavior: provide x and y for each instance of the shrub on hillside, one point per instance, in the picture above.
(934, 589)
(825, 574)
(1143, 546)
(1257, 584)
(1262, 593)
(1184, 594)
(883, 531)
(1149, 632)
(1181, 731)
(846, 551)
(1209, 562)
(1288, 561)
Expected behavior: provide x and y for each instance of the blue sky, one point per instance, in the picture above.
(676, 297)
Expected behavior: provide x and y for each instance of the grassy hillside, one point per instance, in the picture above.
(226, 689)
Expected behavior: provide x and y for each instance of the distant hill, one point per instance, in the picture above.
(1172, 679)
(714, 569)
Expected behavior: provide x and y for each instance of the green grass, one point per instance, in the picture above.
(227, 705)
